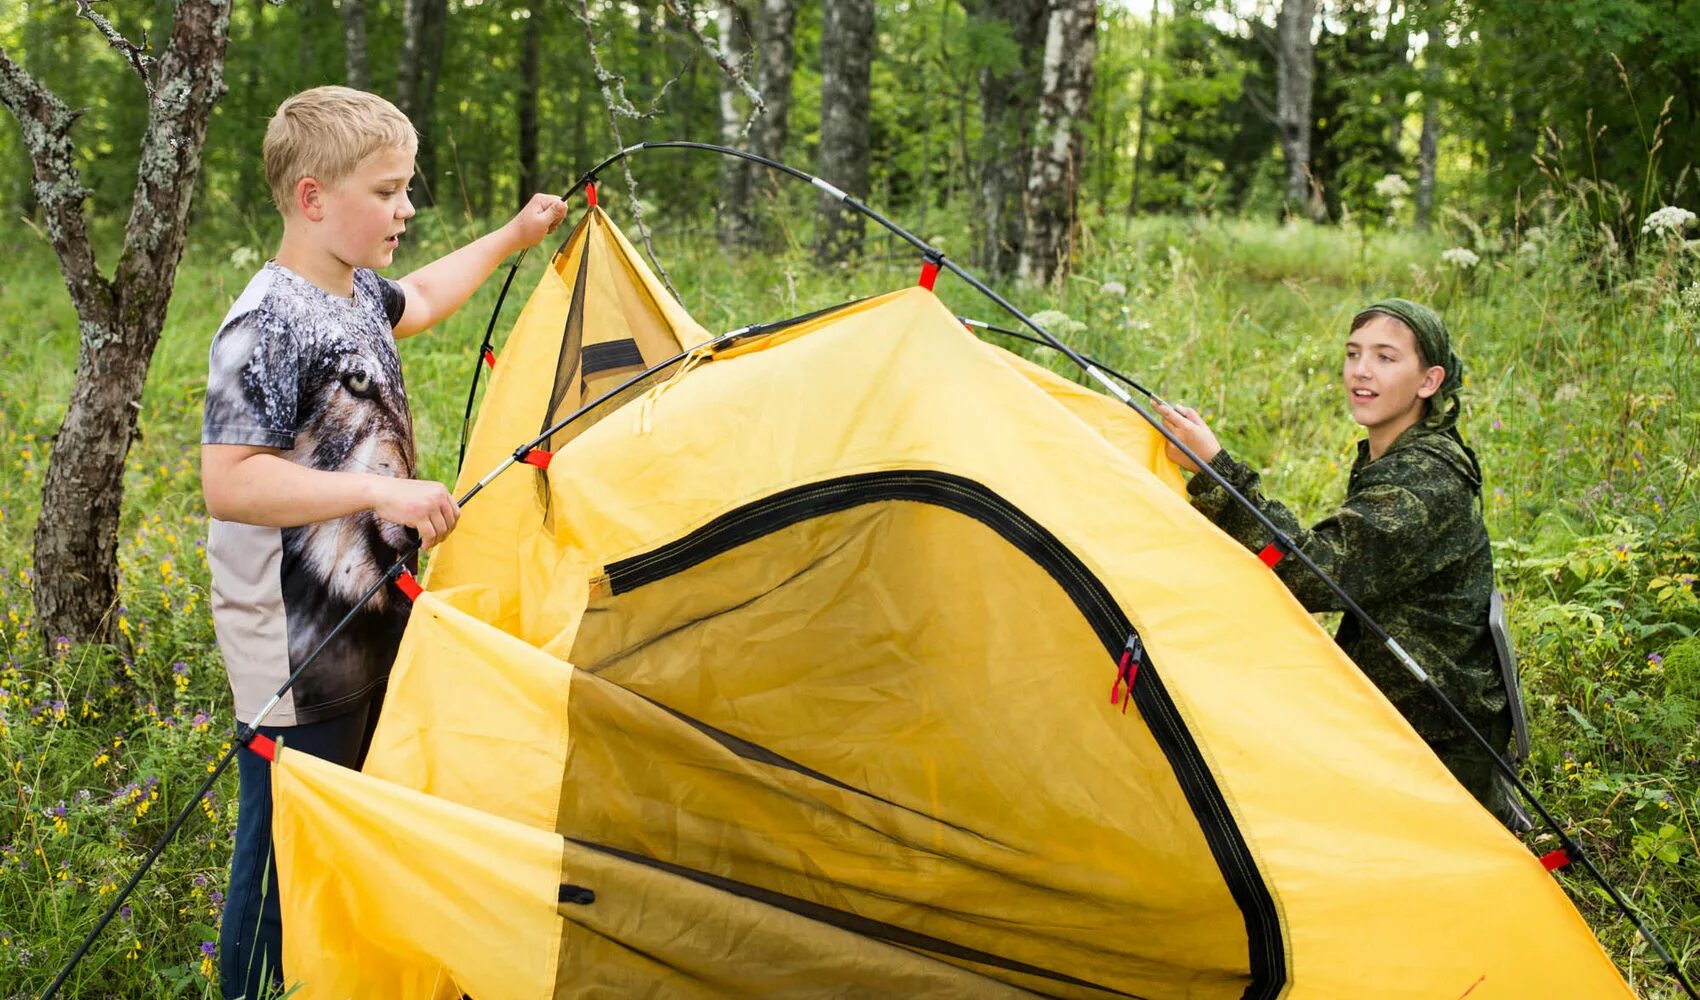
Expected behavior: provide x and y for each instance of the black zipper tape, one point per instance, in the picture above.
(1266, 958)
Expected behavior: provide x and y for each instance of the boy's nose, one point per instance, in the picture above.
(407, 210)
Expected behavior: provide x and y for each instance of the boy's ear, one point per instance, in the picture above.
(309, 199)
(1432, 380)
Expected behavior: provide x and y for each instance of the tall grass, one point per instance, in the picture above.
(1581, 401)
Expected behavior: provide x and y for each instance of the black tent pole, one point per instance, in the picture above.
(1283, 544)
(247, 731)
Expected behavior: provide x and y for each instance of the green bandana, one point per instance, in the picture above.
(1436, 347)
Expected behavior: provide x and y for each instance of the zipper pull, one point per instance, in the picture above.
(1127, 670)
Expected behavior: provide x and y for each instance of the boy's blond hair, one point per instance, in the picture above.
(324, 133)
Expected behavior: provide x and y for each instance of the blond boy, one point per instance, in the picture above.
(307, 460)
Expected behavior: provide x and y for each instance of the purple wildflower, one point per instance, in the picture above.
(208, 948)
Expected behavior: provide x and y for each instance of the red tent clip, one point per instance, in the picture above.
(409, 586)
(929, 273)
(537, 457)
(490, 358)
(590, 193)
(1127, 670)
(1271, 554)
(263, 746)
(1554, 860)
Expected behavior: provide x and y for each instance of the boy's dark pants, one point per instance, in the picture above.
(251, 937)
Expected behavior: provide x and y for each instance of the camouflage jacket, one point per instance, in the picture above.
(1408, 544)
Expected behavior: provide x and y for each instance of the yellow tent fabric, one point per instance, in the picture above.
(597, 316)
(808, 674)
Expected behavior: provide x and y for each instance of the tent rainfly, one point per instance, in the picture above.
(800, 667)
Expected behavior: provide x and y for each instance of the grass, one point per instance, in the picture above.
(1582, 402)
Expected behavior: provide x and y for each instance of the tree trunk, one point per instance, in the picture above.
(531, 58)
(1295, 72)
(1429, 144)
(735, 217)
(1139, 146)
(1009, 100)
(1398, 36)
(412, 45)
(355, 67)
(778, 59)
(847, 49)
(1054, 169)
(119, 321)
(433, 38)
(307, 14)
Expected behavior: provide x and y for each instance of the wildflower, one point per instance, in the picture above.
(1655, 661)
(1669, 219)
(1460, 258)
(1059, 323)
(1392, 186)
(1497, 424)
(1115, 288)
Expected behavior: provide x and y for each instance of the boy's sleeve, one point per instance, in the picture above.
(394, 298)
(253, 383)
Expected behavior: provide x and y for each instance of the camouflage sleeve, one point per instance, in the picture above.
(1378, 543)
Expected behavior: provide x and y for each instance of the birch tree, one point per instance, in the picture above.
(1295, 72)
(735, 220)
(1053, 174)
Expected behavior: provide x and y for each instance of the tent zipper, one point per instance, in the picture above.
(1267, 963)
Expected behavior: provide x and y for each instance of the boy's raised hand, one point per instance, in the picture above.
(1190, 429)
(420, 504)
(540, 217)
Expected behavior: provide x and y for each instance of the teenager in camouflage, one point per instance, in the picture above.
(1408, 543)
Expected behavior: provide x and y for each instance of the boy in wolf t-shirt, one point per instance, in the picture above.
(307, 460)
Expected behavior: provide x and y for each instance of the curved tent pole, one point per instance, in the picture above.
(1280, 545)
(397, 574)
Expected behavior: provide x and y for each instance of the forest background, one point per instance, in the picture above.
(1199, 193)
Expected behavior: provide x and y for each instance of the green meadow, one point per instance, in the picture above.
(1582, 401)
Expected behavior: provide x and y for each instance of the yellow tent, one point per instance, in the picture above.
(791, 675)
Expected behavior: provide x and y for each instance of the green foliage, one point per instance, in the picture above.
(1581, 401)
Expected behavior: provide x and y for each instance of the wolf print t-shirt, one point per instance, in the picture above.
(314, 375)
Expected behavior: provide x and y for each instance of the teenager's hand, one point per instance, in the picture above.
(1189, 429)
(537, 219)
(424, 506)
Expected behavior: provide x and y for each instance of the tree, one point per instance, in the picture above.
(1008, 35)
(424, 26)
(1428, 144)
(1296, 67)
(119, 319)
(776, 28)
(531, 57)
(1147, 71)
(847, 48)
(735, 219)
(357, 69)
(1048, 205)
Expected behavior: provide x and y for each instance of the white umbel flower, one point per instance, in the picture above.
(1113, 287)
(1460, 257)
(1669, 219)
(1392, 186)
